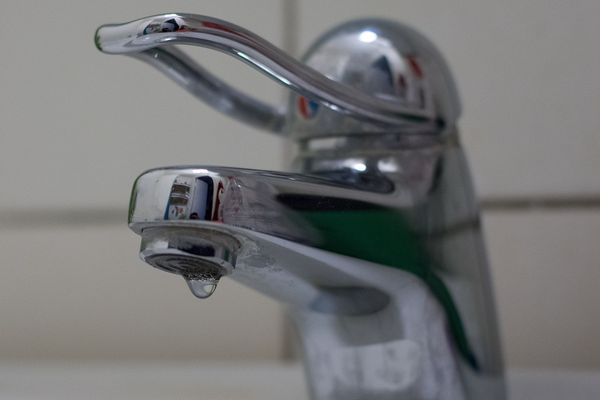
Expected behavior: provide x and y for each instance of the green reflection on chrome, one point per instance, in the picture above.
(384, 237)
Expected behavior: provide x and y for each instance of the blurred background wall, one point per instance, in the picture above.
(77, 127)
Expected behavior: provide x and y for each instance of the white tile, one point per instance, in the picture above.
(527, 73)
(77, 126)
(83, 293)
(152, 381)
(546, 267)
(229, 381)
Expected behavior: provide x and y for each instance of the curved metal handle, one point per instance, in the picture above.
(145, 39)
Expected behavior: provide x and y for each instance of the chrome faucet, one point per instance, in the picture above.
(374, 241)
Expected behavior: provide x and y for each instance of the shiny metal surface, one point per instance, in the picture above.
(397, 109)
(374, 242)
(175, 64)
(383, 57)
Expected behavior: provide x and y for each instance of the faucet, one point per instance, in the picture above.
(373, 240)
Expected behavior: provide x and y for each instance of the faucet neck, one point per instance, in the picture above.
(379, 163)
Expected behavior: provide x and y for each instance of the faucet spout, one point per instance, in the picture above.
(390, 277)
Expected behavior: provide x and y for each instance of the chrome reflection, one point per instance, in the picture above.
(375, 245)
(409, 92)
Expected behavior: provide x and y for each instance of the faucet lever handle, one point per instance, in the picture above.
(148, 39)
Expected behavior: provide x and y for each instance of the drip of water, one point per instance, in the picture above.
(202, 288)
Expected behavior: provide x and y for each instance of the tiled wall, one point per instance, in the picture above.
(78, 126)
(546, 266)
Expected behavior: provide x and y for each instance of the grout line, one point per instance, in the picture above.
(290, 26)
(38, 217)
(532, 203)
(290, 341)
(290, 41)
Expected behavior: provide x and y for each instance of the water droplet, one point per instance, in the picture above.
(202, 288)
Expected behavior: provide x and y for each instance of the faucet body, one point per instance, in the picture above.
(373, 240)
